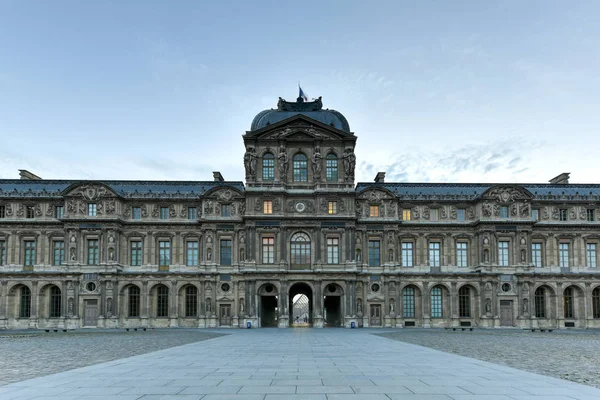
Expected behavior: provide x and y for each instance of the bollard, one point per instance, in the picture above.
(248, 325)
(352, 325)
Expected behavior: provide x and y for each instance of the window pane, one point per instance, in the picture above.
(164, 213)
(192, 213)
(136, 253)
(226, 210)
(225, 252)
(59, 211)
(300, 168)
(300, 250)
(29, 253)
(92, 252)
(464, 302)
(563, 255)
(55, 302)
(540, 303)
(407, 254)
(436, 303)
(408, 302)
(92, 209)
(591, 255)
(136, 212)
(164, 253)
(460, 214)
(192, 254)
(406, 215)
(59, 253)
(332, 207)
(134, 301)
(268, 207)
(332, 168)
(191, 301)
(2, 252)
(503, 258)
(536, 254)
(25, 309)
(162, 301)
(434, 254)
(461, 254)
(268, 167)
(374, 253)
(333, 249)
(268, 250)
(374, 211)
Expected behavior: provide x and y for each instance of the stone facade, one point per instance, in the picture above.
(205, 254)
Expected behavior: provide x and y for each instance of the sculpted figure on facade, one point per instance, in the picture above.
(250, 163)
(349, 164)
(316, 163)
(283, 164)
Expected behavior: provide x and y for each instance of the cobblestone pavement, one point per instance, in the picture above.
(29, 354)
(572, 355)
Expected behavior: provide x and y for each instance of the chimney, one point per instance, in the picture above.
(26, 175)
(562, 179)
(380, 177)
(218, 177)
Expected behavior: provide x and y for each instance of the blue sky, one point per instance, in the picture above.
(457, 91)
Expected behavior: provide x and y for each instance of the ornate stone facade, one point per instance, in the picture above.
(206, 254)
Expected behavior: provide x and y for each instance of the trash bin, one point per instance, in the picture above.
(352, 325)
(248, 325)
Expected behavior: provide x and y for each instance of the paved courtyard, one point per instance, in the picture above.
(273, 364)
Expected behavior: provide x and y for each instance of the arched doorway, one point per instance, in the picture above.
(269, 296)
(332, 306)
(301, 305)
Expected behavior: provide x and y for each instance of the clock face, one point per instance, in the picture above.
(300, 206)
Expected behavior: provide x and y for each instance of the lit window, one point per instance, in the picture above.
(563, 255)
(268, 167)
(92, 209)
(136, 253)
(268, 250)
(503, 253)
(226, 252)
(461, 254)
(332, 207)
(59, 211)
(374, 253)
(434, 254)
(591, 255)
(226, 210)
(192, 254)
(407, 254)
(59, 253)
(374, 211)
(192, 213)
(92, 252)
(267, 206)
(164, 213)
(333, 250)
(331, 168)
(300, 168)
(136, 212)
(460, 214)
(406, 215)
(536, 254)
(503, 212)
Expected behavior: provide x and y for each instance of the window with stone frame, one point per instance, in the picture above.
(300, 164)
(30, 212)
(434, 254)
(191, 301)
(192, 213)
(407, 254)
(268, 250)
(164, 213)
(2, 252)
(164, 253)
(503, 253)
(225, 210)
(135, 253)
(464, 302)
(460, 214)
(437, 303)
(133, 308)
(536, 254)
(25, 302)
(136, 212)
(374, 252)
(300, 250)
(59, 212)
(92, 209)
(92, 252)
(58, 256)
(503, 212)
(461, 254)
(29, 253)
(540, 302)
(408, 302)
(55, 303)
(331, 167)
(333, 250)
(596, 303)
(591, 250)
(2, 211)
(268, 167)
(569, 303)
(535, 214)
(562, 214)
(332, 207)
(162, 301)
(406, 214)
(226, 251)
(434, 214)
(374, 210)
(191, 259)
(563, 255)
(267, 206)
(591, 214)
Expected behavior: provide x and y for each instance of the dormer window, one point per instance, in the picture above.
(226, 210)
(503, 212)
(374, 211)
(92, 209)
(434, 214)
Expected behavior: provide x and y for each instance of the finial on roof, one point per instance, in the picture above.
(561, 179)
(30, 176)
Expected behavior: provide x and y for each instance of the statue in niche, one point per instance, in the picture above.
(317, 163)
(241, 306)
(525, 306)
(488, 306)
(391, 306)
(283, 161)
(73, 256)
(391, 255)
(359, 306)
(208, 306)
(111, 254)
(250, 162)
(349, 164)
(70, 307)
(523, 256)
(209, 254)
(109, 306)
(358, 255)
(486, 255)
(242, 255)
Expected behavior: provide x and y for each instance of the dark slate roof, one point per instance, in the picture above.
(472, 191)
(313, 110)
(127, 189)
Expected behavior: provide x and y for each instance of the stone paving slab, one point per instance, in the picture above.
(297, 364)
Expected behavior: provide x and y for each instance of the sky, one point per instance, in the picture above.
(435, 91)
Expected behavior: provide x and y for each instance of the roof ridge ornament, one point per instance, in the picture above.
(300, 105)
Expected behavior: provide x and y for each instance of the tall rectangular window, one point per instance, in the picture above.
(536, 254)
(2, 252)
(2, 211)
(407, 254)
(374, 253)
(92, 209)
(59, 211)
(267, 206)
(562, 214)
(437, 310)
(136, 253)
(164, 213)
(162, 301)
(164, 253)
(563, 255)
(535, 214)
(268, 250)
(192, 213)
(92, 249)
(331, 168)
(225, 210)
(434, 216)
(333, 250)
(268, 167)
(406, 215)
(503, 259)
(460, 214)
(59, 253)
(226, 252)
(591, 214)
(591, 255)
(503, 212)
(461, 254)
(332, 207)
(29, 253)
(192, 254)
(408, 301)
(136, 212)
(30, 212)
(434, 254)
(374, 211)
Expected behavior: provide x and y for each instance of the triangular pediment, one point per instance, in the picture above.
(89, 190)
(299, 127)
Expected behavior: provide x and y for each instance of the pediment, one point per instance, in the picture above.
(89, 191)
(375, 195)
(224, 193)
(299, 127)
(506, 194)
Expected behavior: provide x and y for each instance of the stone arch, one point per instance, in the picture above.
(130, 303)
(188, 298)
(268, 304)
(50, 301)
(467, 300)
(410, 298)
(439, 304)
(304, 309)
(15, 301)
(268, 289)
(301, 250)
(573, 303)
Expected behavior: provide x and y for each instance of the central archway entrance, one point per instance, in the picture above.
(332, 306)
(301, 305)
(268, 305)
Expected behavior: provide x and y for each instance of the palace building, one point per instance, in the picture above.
(298, 244)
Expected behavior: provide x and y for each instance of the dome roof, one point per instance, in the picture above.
(311, 109)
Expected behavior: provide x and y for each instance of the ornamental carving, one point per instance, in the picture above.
(49, 210)
(155, 211)
(283, 164)
(316, 161)
(453, 213)
(111, 207)
(90, 192)
(276, 205)
(349, 159)
(144, 211)
(471, 213)
(425, 213)
(514, 210)
(507, 194)
(525, 210)
(489, 210)
(38, 210)
(72, 206)
(172, 212)
(224, 195)
(21, 211)
(8, 210)
(415, 213)
(390, 209)
(582, 214)
(572, 213)
(250, 158)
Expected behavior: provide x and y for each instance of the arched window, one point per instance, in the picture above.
(268, 167)
(408, 297)
(464, 302)
(331, 167)
(55, 302)
(596, 302)
(25, 311)
(540, 303)
(569, 308)
(162, 301)
(191, 301)
(134, 301)
(436, 303)
(300, 250)
(300, 168)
